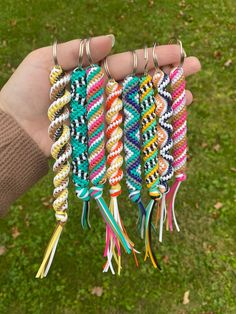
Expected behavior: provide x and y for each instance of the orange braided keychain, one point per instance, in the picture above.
(114, 148)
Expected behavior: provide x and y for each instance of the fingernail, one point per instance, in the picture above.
(113, 39)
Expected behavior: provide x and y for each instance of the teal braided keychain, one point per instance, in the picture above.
(79, 142)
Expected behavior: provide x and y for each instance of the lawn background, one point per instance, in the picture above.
(201, 258)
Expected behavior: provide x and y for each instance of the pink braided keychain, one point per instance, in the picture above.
(179, 136)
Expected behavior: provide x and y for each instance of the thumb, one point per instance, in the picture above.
(68, 52)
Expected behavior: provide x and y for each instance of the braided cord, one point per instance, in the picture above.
(114, 148)
(79, 142)
(179, 138)
(61, 151)
(149, 135)
(150, 155)
(132, 143)
(179, 122)
(114, 134)
(96, 145)
(164, 112)
(165, 143)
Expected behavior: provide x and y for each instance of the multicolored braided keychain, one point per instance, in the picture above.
(79, 134)
(179, 123)
(164, 113)
(96, 148)
(132, 141)
(150, 153)
(155, 128)
(61, 151)
(114, 146)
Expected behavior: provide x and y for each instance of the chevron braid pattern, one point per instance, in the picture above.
(60, 134)
(79, 131)
(149, 135)
(132, 141)
(164, 112)
(114, 133)
(179, 122)
(96, 126)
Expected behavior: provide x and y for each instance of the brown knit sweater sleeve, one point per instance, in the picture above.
(22, 163)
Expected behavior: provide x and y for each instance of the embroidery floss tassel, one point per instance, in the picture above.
(179, 135)
(132, 142)
(96, 146)
(61, 152)
(79, 141)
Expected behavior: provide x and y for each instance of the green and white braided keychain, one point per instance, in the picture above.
(79, 133)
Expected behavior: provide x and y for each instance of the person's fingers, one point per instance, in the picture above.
(121, 64)
(166, 54)
(189, 97)
(191, 66)
(68, 52)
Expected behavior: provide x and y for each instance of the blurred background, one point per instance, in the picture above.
(199, 263)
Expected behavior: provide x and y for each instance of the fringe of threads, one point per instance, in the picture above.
(132, 145)
(79, 141)
(179, 138)
(150, 156)
(61, 151)
(165, 143)
(96, 150)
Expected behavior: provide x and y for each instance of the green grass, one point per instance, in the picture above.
(201, 258)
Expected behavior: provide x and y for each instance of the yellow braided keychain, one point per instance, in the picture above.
(61, 151)
(150, 157)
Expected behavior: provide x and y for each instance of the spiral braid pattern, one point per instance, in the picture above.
(132, 144)
(114, 147)
(61, 152)
(179, 122)
(79, 142)
(149, 135)
(164, 112)
(60, 134)
(96, 125)
(150, 155)
(114, 134)
(179, 137)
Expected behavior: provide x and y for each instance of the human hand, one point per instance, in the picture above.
(26, 94)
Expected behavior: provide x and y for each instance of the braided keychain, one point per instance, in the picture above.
(61, 151)
(132, 142)
(164, 112)
(114, 148)
(150, 153)
(179, 134)
(79, 141)
(96, 146)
